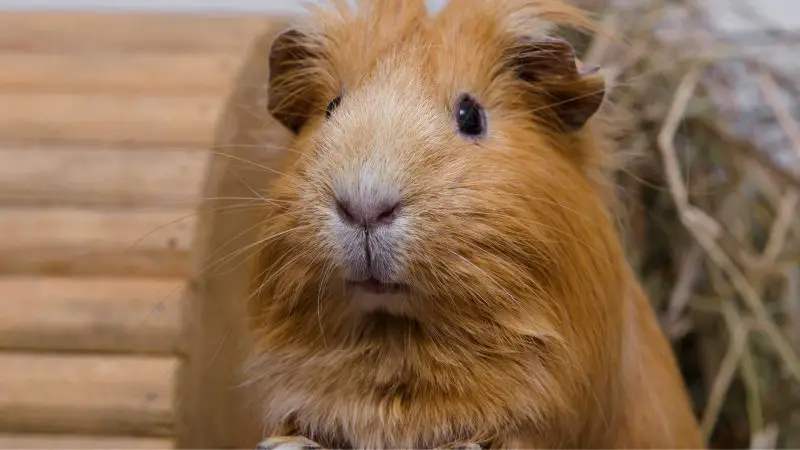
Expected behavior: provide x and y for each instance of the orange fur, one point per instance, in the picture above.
(525, 326)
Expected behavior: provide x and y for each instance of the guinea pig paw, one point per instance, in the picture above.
(287, 443)
(460, 446)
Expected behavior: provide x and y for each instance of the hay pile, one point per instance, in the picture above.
(713, 202)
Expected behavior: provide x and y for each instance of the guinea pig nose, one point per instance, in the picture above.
(368, 215)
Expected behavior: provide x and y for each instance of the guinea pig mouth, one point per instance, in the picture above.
(374, 286)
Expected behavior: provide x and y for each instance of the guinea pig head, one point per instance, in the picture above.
(439, 166)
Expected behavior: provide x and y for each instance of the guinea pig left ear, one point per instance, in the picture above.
(292, 91)
(548, 66)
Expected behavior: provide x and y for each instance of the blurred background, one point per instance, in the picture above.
(106, 121)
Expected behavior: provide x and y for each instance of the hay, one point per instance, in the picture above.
(712, 203)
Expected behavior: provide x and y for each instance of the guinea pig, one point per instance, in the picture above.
(439, 264)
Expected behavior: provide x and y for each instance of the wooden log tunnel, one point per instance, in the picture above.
(123, 140)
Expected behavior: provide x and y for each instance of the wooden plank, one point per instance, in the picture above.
(93, 32)
(86, 394)
(105, 117)
(66, 441)
(59, 241)
(90, 314)
(113, 176)
(69, 72)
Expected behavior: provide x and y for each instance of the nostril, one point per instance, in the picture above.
(388, 213)
(376, 214)
(345, 212)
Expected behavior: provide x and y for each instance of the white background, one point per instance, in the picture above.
(785, 13)
(168, 5)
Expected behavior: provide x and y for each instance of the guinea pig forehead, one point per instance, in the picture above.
(474, 37)
(391, 111)
(466, 56)
(395, 99)
(356, 38)
(398, 63)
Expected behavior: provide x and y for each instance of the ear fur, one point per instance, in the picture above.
(548, 68)
(292, 92)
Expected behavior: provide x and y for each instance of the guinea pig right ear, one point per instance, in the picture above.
(557, 89)
(292, 92)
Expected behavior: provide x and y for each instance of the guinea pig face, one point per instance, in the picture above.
(416, 158)
(381, 180)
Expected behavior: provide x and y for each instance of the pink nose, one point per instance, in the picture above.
(371, 215)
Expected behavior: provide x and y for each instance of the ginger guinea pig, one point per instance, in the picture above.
(439, 264)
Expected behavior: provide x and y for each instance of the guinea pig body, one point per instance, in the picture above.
(438, 262)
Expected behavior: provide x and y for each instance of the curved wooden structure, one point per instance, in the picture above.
(218, 407)
(107, 125)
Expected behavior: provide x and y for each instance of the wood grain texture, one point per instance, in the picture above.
(117, 72)
(109, 314)
(109, 117)
(59, 241)
(66, 441)
(91, 238)
(112, 176)
(86, 394)
(130, 32)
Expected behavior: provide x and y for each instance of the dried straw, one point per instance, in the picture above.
(713, 203)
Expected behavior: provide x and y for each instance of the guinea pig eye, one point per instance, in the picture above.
(470, 117)
(332, 107)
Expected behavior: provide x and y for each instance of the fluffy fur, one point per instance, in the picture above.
(524, 326)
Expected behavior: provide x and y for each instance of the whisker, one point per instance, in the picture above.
(219, 347)
(263, 146)
(180, 219)
(259, 199)
(257, 243)
(250, 188)
(327, 273)
(489, 277)
(286, 265)
(202, 270)
(253, 163)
